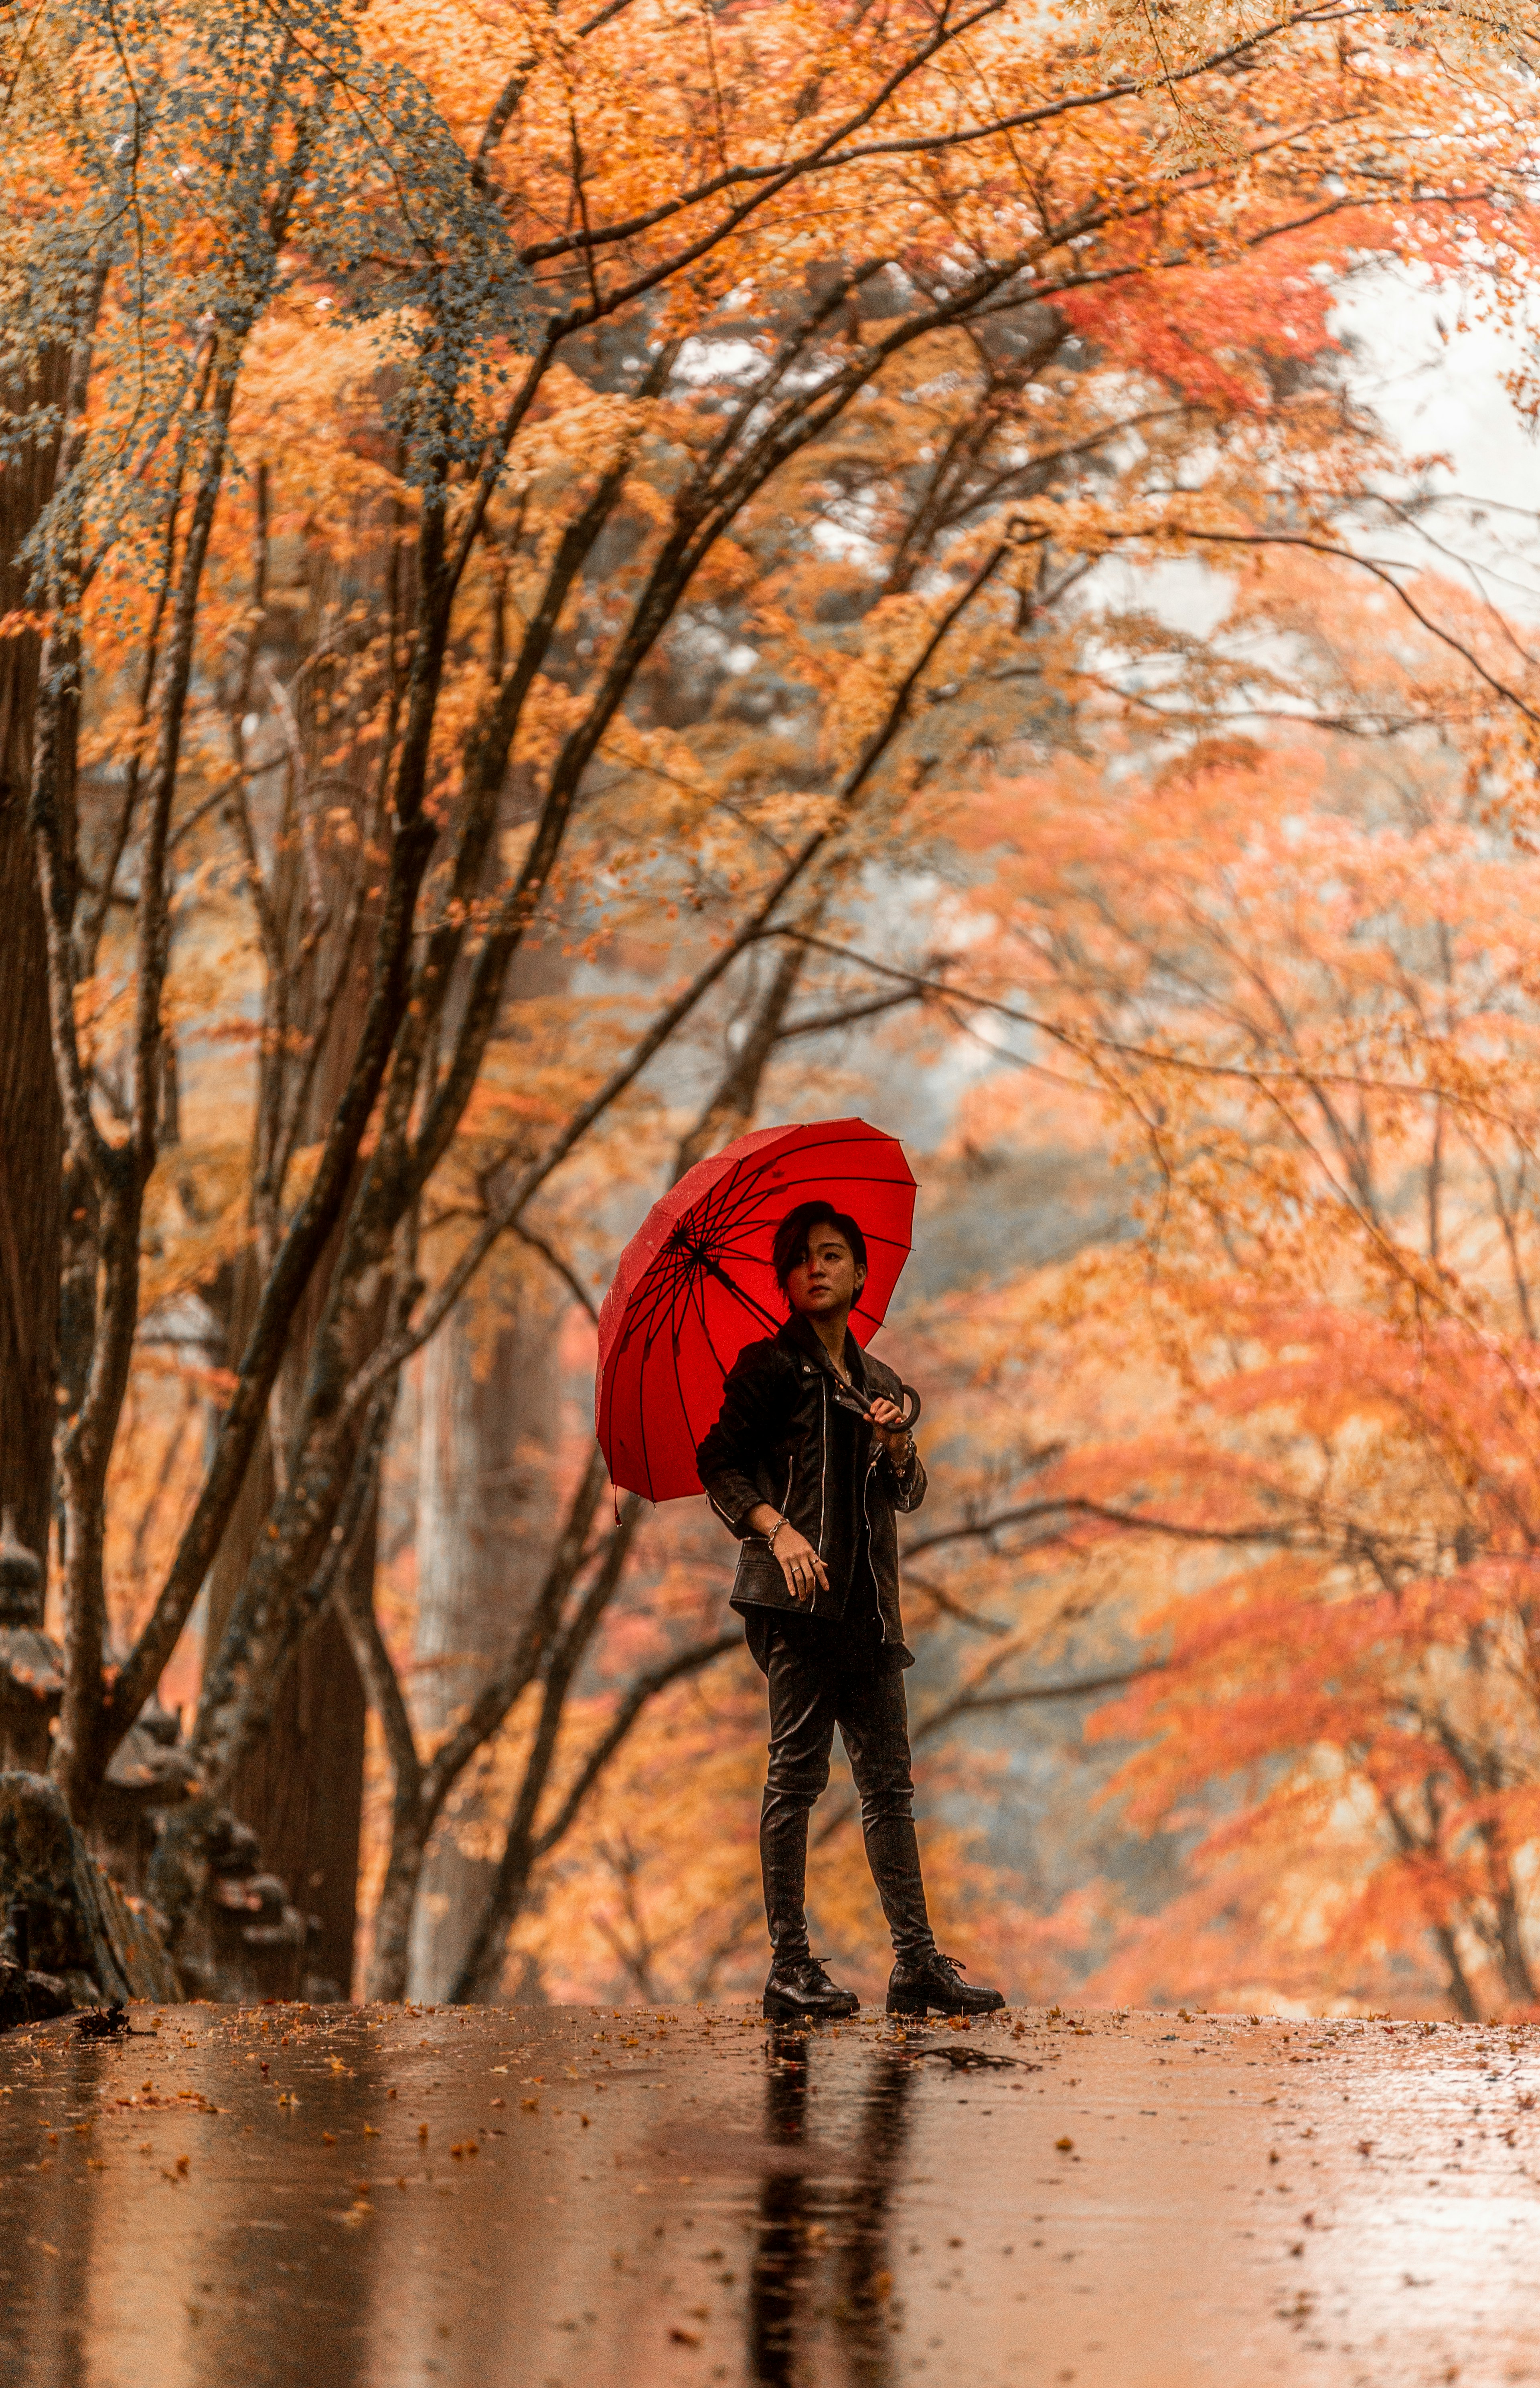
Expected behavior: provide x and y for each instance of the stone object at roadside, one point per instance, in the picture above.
(79, 1929)
(237, 1937)
(32, 1665)
(26, 1997)
(150, 1772)
(105, 1931)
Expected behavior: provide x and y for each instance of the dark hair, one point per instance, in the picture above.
(791, 1236)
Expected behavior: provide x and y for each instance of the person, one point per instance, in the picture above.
(808, 1464)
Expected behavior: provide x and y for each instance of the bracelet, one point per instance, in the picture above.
(773, 1531)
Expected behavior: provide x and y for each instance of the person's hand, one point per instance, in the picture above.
(887, 1420)
(804, 1571)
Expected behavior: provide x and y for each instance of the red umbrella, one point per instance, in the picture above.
(695, 1284)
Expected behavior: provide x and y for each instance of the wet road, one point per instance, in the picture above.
(573, 2197)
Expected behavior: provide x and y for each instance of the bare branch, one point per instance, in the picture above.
(563, 1269)
(645, 1688)
(1257, 1530)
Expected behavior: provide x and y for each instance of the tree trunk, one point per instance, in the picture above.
(301, 1788)
(31, 1122)
(487, 1432)
(1462, 1998)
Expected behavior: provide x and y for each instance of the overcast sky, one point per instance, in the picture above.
(1447, 396)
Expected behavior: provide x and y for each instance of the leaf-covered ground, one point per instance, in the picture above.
(570, 2196)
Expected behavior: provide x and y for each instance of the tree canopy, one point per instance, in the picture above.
(540, 524)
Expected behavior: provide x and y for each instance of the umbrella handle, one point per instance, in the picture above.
(850, 1400)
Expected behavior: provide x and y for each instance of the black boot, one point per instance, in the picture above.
(893, 1853)
(799, 1985)
(929, 1984)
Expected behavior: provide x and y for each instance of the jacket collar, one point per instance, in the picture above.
(804, 1338)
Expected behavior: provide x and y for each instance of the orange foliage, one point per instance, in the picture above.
(1301, 981)
(778, 330)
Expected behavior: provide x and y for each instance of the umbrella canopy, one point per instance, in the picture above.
(695, 1284)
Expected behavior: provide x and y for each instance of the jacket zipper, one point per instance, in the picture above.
(866, 1514)
(866, 1494)
(823, 1471)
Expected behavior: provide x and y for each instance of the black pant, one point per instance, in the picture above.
(807, 1698)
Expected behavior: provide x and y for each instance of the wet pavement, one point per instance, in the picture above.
(566, 2198)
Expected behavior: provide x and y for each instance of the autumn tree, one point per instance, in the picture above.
(1297, 978)
(524, 365)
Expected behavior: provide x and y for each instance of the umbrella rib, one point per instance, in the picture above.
(676, 1267)
(739, 1253)
(642, 1423)
(842, 1176)
(713, 1267)
(678, 1385)
(666, 1294)
(696, 1296)
(662, 1283)
(764, 1218)
(715, 1207)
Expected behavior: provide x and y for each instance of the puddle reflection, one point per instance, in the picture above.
(47, 2242)
(822, 2254)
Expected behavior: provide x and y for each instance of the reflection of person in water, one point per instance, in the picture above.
(853, 2237)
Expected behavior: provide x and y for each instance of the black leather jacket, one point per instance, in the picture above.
(783, 1437)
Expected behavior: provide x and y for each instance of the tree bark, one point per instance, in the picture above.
(301, 1789)
(31, 1132)
(488, 1434)
(300, 1786)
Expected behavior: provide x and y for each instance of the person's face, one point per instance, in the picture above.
(827, 1278)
